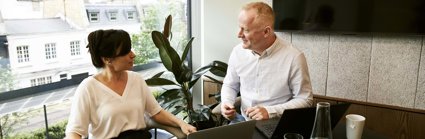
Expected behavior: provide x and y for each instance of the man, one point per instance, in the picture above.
(269, 73)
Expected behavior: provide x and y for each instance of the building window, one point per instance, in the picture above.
(33, 82)
(23, 55)
(50, 49)
(131, 15)
(75, 48)
(94, 16)
(41, 81)
(63, 76)
(112, 16)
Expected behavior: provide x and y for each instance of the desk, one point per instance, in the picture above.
(337, 133)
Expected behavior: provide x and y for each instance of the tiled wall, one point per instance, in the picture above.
(384, 69)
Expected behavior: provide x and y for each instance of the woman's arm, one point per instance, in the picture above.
(166, 118)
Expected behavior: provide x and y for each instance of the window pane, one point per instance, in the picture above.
(47, 55)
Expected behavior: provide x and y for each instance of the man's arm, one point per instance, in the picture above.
(300, 85)
(230, 89)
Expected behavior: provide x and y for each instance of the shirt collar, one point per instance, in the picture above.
(269, 50)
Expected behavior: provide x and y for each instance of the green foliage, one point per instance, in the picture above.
(56, 131)
(6, 82)
(179, 98)
(143, 45)
(8, 121)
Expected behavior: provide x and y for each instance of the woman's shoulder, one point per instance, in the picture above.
(87, 81)
(134, 75)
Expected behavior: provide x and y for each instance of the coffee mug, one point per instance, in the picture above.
(355, 124)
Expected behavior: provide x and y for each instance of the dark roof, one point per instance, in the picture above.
(30, 26)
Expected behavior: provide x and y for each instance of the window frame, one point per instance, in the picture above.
(22, 56)
(91, 17)
(132, 13)
(50, 51)
(113, 15)
(75, 49)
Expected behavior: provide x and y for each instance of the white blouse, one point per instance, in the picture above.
(98, 110)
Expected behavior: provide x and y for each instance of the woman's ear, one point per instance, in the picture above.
(106, 60)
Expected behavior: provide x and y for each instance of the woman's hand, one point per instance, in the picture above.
(187, 128)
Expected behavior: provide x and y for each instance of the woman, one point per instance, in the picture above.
(113, 102)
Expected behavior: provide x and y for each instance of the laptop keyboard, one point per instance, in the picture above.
(267, 127)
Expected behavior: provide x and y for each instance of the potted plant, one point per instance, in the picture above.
(179, 97)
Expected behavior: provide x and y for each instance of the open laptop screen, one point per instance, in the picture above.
(299, 121)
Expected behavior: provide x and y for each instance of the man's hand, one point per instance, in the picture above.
(228, 111)
(257, 113)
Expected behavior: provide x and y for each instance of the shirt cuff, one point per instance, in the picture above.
(272, 112)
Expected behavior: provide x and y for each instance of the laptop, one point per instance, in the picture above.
(298, 121)
(242, 130)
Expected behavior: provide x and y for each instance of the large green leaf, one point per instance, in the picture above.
(218, 68)
(173, 103)
(162, 44)
(169, 56)
(186, 49)
(158, 74)
(159, 82)
(213, 79)
(167, 26)
(192, 83)
(186, 74)
(201, 71)
(170, 95)
(178, 109)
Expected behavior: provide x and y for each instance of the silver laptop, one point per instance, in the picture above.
(242, 130)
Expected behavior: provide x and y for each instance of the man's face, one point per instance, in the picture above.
(251, 33)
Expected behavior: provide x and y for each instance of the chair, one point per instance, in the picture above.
(151, 124)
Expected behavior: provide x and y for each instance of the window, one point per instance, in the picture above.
(33, 82)
(130, 15)
(59, 57)
(63, 76)
(50, 49)
(94, 16)
(22, 52)
(41, 81)
(113, 15)
(75, 48)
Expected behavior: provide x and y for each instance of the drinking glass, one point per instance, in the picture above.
(293, 136)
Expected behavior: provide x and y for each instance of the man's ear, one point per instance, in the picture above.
(267, 31)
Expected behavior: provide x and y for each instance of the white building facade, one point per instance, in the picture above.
(45, 49)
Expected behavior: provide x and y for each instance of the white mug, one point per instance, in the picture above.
(355, 124)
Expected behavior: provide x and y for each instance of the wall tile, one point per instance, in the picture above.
(420, 93)
(394, 70)
(315, 48)
(287, 36)
(349, 61)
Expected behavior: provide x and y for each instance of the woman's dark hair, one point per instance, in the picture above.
(109, 44)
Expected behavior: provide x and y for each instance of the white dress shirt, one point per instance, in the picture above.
(277, 80)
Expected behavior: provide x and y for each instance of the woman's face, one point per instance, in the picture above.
(121, 63)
